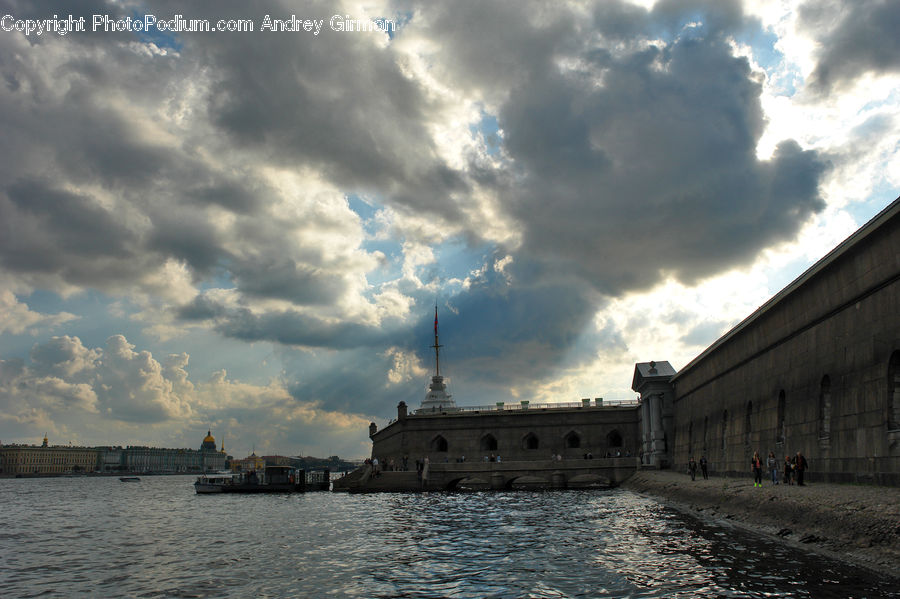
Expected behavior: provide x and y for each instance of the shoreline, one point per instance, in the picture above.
(855, 524)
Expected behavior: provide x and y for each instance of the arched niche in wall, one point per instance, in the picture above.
(748, 425)
(439, 444)
(530, 441)
(691, 438)
(825, 412)
(893, 399)
(706, 434)
(780, 428)
(724, 431)
(893, 395)
(572, 440)
(614, 439)
(488, 443)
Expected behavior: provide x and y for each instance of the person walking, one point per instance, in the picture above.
(756, 466)
(772, 465)
(802, 465)
(788, 470)
(703, 467)
(692, 468)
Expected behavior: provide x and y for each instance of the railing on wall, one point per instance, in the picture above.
(508, 407)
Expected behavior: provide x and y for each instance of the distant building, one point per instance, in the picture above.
(47, 459)
(251, 463)
(212, 460)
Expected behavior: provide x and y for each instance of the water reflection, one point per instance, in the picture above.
(99, 537)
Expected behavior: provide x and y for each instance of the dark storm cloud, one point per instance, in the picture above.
(285, 278)
(188, 236)
(635, 161)
(95, 113)
(352, 381)
(855, 39)
(288, 327)
(233, 197)
(50, 231)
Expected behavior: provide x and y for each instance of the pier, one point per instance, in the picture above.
(479, 475)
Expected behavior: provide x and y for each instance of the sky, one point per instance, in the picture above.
(248, 231)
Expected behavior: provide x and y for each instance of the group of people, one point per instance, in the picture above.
(791, 471)
(704, 467)
(387, 466)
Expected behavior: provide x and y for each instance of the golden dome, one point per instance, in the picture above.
(209, 443)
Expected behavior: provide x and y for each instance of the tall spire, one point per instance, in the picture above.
(437, 399)
(437, 346)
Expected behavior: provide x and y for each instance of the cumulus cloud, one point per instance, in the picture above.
(16, 317)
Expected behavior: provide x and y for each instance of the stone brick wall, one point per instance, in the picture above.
(813, 370)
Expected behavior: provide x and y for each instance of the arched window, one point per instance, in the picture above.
(690, 438)
(894, 392)
(572, 440)
(780, 428)
(748, 424)
(705, 434)
(724, 430)
(530, 441)
(488, 443)
(439, 443)
(614, 439)
(825, 411)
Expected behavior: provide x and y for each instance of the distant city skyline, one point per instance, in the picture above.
(248, 231)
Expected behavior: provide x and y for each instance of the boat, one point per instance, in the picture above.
(273, 479)
(214, 483)
(129, 479)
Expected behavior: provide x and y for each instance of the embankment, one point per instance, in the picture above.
(854, 523)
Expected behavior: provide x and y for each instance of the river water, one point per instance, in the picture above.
(99, 537)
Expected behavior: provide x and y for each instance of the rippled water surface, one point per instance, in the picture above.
(99, 537)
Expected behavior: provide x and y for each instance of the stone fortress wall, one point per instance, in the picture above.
(816, 369)
(528, 435)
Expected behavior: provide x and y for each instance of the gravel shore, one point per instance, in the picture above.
(854, 523)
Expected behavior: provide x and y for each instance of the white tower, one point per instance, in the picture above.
(437, 399)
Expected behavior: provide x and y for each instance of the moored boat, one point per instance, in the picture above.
(273, 479)
(213, 483)
(130, 479)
